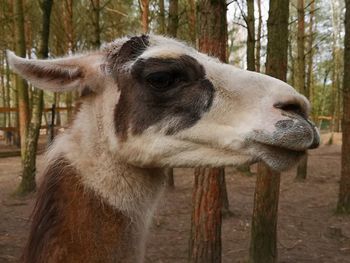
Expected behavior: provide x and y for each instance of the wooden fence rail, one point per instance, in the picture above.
(6, 109)
(48, 126)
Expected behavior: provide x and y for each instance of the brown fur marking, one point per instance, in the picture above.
(72, 224)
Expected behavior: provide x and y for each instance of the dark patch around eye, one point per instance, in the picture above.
(158, 89)
(161, 80)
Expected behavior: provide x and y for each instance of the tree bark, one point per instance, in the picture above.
(344, 191)
(301, 47)
(29, 158)
(250, 36)
(205, 241)
(258, 40)
(21, 84)
(8, 94)
(161, 17)
(70, 47)
(144, 5)
(310, 43)
(336, 52)
(173, 19)
(263, 244)
(302, 167)
(96, 9)
(211, 33)
(192, 21)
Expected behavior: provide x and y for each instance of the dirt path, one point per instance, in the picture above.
(308, 229)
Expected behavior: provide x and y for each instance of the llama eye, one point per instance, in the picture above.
(160, 80)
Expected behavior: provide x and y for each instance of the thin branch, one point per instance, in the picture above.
(239, 24)
(116, 11)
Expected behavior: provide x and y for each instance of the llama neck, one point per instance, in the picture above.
(72, 224)
(131, 192)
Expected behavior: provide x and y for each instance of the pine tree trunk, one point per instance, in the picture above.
(161, 17)
(205, 241)
(144, 5)
(96, 37)
(302, 167)
(69, 25)
(3, 91)
(70, 47)
(173, 19)
(212, 28)
(250, 36)
(225, 207)
(263, 244)
(8, 94)
(258, 40)
(335, 104)
(310, 52)
(192, 21)
(21, 84)
(344, 191)
(29, 158)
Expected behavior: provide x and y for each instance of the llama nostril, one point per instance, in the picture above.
(291, 106)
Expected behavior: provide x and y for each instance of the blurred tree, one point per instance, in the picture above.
(344, 191)
(310, 50)
(303, 89)
(263, 244)
(173, 18)
(192, 21)
(250, 35)
(336, 67)
(161, 18)
(144, 6)
(21, 85)
(258, 39)
(29, 157)
(96, 10)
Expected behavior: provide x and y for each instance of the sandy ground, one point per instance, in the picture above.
(308, 229)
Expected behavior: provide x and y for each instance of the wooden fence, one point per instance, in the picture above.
(53, 110)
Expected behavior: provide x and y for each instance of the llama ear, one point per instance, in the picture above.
(79, 73)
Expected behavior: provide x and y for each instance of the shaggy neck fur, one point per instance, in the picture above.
(86, 175)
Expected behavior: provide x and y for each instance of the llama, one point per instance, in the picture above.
(148, 102)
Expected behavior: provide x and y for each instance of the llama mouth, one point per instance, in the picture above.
(277, 157)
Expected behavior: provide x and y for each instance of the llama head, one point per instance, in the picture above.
(165, 104)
